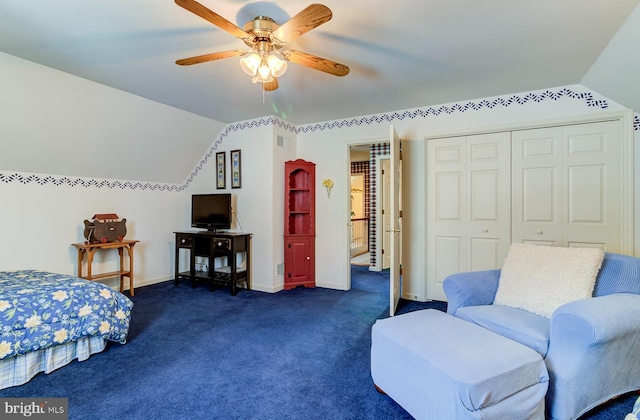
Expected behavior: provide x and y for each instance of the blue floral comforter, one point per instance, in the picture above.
(40, 309)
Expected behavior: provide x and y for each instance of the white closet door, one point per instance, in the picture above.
(566, 186)
(468, 206)
(591, 205)
(446, 211)
(488, 200)
(536, 194)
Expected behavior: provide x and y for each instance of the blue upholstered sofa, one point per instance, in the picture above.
(591, 347)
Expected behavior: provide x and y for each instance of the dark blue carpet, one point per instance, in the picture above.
(198, 354)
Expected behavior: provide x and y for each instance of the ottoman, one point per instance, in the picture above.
(437, 366)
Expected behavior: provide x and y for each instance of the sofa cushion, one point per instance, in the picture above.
(524, 327)
(539, 279)
(619, 274)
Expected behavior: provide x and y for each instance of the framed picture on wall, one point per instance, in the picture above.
(221, 170)
(236, 174)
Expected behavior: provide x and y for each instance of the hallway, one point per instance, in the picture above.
(362, 259)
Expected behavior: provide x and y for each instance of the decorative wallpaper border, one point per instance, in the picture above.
(74, 182)
(375, 150)
(503, 101)
(244, 125)
(144, 186)
(363, 168)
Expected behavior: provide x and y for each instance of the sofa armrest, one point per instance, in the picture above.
(594, 352)
(470, 289)
(596, 320)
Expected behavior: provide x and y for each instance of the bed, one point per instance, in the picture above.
(49, 320)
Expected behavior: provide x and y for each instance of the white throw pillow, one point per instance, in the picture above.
(539, 279)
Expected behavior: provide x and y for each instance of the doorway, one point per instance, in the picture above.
(392, 148)
(366, 226)
(359, 221)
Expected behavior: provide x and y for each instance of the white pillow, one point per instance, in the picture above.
(539, 279)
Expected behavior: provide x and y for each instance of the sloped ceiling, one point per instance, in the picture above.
(616, 73)
(402, 55)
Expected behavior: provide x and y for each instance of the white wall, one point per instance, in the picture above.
(71, 148)
(258, 203)
(280, 156)
(41, 215)
(327, 145)
(39, 223)
(612, 72)
(55, 123)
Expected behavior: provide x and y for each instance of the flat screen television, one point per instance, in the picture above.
(211, 211)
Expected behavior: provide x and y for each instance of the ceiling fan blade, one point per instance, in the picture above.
(198, 9)
(316, 62)
(270, 86)
(311, 17)
(209, 57)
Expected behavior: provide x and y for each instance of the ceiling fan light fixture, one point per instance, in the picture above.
(277, 65)
(264, 63)
(250, 64)
(264, 73)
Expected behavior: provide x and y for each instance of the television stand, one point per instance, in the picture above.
(221, 251)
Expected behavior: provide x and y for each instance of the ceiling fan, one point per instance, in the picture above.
(265, 62)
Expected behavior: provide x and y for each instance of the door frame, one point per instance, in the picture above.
(380, 227)
(361, 205)
(395, 280)
(347, 217)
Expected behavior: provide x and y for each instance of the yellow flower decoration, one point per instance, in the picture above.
(60, 336)
(328, 184)
(5, 348)
(60, 295)
(33, 321)
(85, 310)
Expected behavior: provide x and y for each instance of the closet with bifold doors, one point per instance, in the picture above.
(561, 186)
(468, 205)
(566, 186)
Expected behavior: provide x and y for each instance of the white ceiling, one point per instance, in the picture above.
(403, 54)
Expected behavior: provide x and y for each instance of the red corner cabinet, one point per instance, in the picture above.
(299, 224)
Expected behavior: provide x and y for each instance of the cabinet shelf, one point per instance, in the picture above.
(198, 274)
(218, 248)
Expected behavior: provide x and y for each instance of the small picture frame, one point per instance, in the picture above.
(221, 170)
(236, 169)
